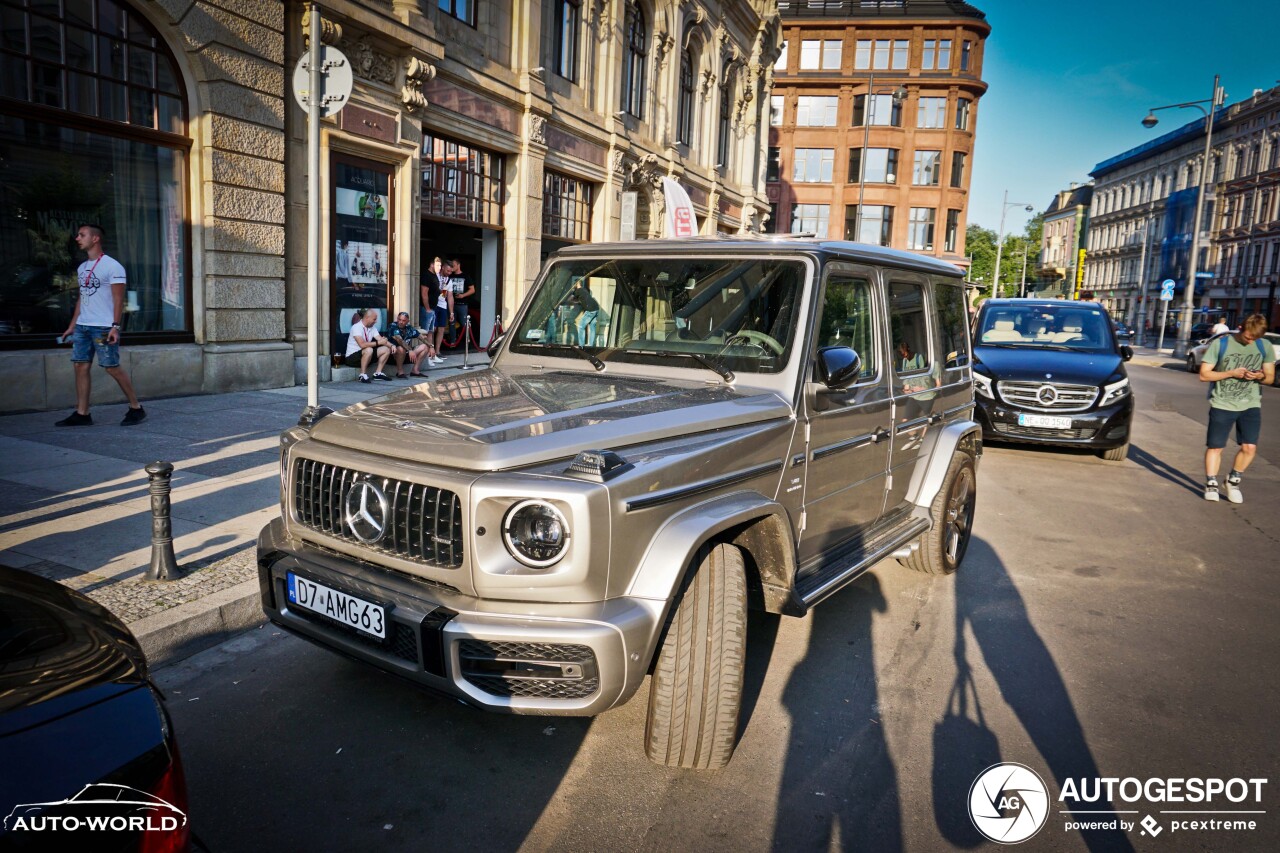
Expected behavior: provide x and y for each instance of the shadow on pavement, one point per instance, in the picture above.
(1030, 684)
(1164, 470)
(839, 788)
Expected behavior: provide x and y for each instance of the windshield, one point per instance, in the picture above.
(708, 313)
(1065, 326)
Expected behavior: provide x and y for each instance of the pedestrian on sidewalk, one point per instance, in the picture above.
(462, 292)
(95, 327)
(1219, 327)
(364, 345)
(1236, 365)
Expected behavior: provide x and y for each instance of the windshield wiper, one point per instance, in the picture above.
(714, 366)
(595, 362)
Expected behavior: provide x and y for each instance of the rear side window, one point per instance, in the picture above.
(952, 315)
(909, 328)
(848, 321)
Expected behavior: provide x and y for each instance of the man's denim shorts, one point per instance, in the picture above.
(427, 318)
(87, 340)
(1248, 426)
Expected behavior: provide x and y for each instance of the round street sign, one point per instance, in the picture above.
(336, 81)
(1166, 289)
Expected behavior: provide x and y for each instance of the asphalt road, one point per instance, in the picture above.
(1106, 622)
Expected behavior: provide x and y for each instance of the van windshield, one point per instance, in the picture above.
(1068, 326)
(735, 313)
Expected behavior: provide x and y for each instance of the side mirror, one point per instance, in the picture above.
(495, 345)
(838, 367)
(1126, 352)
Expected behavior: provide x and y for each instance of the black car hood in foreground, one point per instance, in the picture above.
(494, 420)
(59, 651)
(1038, 364)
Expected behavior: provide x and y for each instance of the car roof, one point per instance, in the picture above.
(768, 244)
(1040, 303)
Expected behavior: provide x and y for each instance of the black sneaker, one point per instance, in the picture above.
(76, 419)
(382, 376)
(134, 416)
(364, 377)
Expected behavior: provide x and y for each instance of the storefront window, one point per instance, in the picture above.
(460, 181)
(566, 208)
(52, 179)
(91, 131)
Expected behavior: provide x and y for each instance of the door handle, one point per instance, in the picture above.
(879, 435)
(936, 417)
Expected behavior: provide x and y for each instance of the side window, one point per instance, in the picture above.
(952, 317)
(909, 328)
(849, 321)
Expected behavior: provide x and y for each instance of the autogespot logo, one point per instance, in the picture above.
(1008, 803)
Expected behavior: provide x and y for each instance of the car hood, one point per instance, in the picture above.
(1030, 364)
(493, 420)
(59, 651)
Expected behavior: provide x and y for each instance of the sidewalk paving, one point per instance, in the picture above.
(75, 505)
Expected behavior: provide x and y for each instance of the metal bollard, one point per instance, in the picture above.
(466, 345)
(164, 566)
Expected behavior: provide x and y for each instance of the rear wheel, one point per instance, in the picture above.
(1191, 363)
(943, 546)
(697, 681)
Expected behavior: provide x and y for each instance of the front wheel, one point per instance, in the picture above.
(943, 546)
(1191, 363)
(1116, 454)
(697, 681)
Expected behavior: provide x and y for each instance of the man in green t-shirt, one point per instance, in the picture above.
(1236, 365)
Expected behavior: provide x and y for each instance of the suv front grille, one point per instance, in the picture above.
(425, 522)
(1064, 398)
(530, 670)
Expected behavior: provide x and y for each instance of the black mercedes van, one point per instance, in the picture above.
(1050, 371)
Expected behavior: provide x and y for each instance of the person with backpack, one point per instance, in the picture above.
(1236, 366)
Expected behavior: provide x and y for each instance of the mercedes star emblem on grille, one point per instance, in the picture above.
(366, 509)
(1047, 394)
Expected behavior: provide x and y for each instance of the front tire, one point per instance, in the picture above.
(1191, 364)
(942, 547)
(1116, 454)
(696, 692)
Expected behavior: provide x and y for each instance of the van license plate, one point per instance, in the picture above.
(1044, 421)
(364, 616)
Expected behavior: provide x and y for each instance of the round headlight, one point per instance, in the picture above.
(535, 533)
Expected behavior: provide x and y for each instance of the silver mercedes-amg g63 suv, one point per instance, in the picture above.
(670, 433)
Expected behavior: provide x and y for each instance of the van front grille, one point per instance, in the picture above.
(1047, 396)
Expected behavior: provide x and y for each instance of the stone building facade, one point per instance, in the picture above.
(492, 131)
(1062, 239)
(1147, 195)
(876, 103)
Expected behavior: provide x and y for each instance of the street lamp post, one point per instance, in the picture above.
(995, 274)
(1193, 262)
(868, 118)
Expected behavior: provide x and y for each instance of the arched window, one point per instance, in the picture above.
(726, 114)
(635, 62)
(685, 110)
(93, 129)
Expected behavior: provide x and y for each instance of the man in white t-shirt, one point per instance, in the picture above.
(95, 327)
(1219, 327)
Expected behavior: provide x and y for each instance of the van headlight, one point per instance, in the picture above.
(1115, 391)
(982, 384)
(536, 533)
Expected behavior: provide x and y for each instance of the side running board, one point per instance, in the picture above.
(851, 561)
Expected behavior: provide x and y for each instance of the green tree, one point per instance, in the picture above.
(981, 245)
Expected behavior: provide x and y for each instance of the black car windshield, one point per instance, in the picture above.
(1065, 326)
(733, 313)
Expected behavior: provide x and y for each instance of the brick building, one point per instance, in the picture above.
(877, 100)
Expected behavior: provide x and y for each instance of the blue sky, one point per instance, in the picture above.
(1070, 82)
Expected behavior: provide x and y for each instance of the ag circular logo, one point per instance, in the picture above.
(1047, 394)
(1008, 803)
(366, 509)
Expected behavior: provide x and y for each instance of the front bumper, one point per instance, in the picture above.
(512, 657)
(1100, 429)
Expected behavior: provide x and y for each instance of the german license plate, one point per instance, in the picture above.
(1044, 421)
(364, 616)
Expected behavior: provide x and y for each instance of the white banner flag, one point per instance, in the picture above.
(680, 219)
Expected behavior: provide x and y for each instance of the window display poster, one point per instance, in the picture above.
(361, 234)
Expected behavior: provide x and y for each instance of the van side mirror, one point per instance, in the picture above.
(495, 344)
(1126, 352)
(838, 367)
